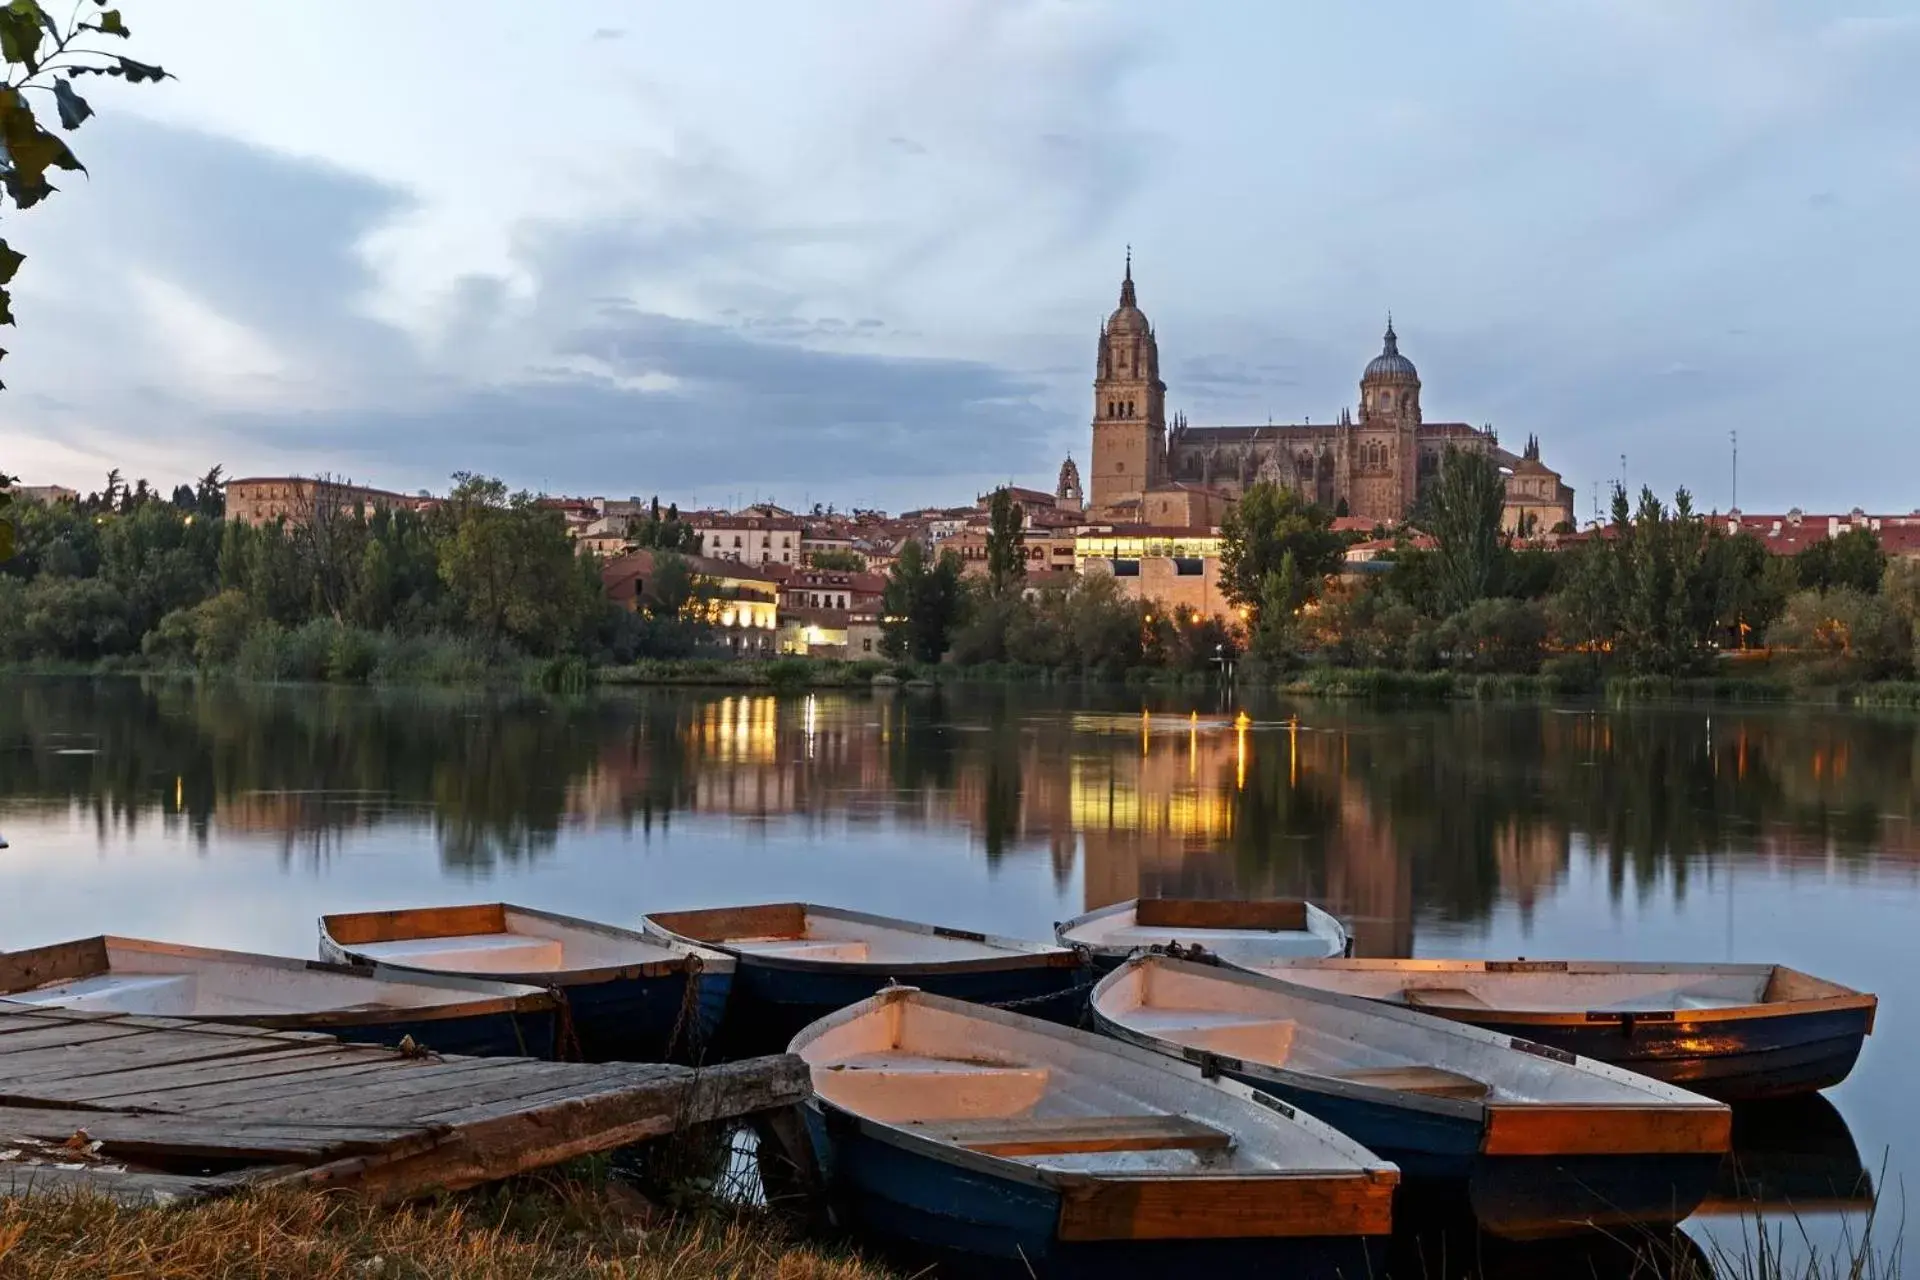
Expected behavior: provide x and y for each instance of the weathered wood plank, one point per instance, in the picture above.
(30, 1036)
(298, 1095)
(369, 1094)
(1211, 1208)
(149, 1022)
(125, 1188)
(722, 924)
(1520, 1129)
(135, 1136)
(362, 927)
(107, 1086)
(226, 1098)
(454, 1092)
(1288, 914)
(129, 1053)
(1065, 1135)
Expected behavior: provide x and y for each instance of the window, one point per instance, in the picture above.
(1119, 466)
(785, 557)
(736, 539)
(866, 645)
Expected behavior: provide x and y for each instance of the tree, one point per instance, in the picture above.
(510, 566)
(668, 533)
(924, 603)
(838, 559)
(210, 494)
(1853, 559)
(6, 525)
(1006, 543)
(43, 55)
(1276, 551)
(1463, 515)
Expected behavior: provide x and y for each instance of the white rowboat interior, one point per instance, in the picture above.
(994, 1084)
(163, 980)
(1353, 1041)
(1573, 987)
(801, 931)
(492, 939)
(1273, 929)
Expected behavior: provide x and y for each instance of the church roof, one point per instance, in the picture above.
(1390, 363)
(1127, 317)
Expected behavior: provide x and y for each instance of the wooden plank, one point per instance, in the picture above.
(1065, 1135)
(721, 924)
(49, 1015)
(133, 1137)
(516, 1140)
(1431, 1081)
(102, 1089)
(361, 927)
(1542, 1129)
(1196, 1208)
(21, 1072)
(464, 1092)
(61, 962)
(1288, 914)
(317, 1094)
(60, 1035)
(124, 1187)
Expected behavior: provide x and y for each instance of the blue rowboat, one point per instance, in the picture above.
(1545, 1143)
(362, 1003)
(1270, 928)
(1738, 1032)
(799, 962)
(624, 997)
(975, 1135)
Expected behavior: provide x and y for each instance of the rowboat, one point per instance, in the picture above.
(1731, 1031)
(1545, 1143)
(799, 962)
(1277, 928)
(973, 1133)
(625, 997)
(354, 1002)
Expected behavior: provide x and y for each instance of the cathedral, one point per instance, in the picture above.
(1146, 470)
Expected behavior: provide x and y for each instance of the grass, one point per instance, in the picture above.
(561, 1227)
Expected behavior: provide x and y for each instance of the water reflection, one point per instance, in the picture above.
(1438, 813)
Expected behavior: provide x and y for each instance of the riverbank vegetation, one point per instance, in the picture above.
(560, 1227)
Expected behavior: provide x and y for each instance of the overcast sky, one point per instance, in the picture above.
(858, 250)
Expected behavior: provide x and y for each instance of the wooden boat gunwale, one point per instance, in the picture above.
(1699, 1124)
(1311, 914)
(1832, 997)
(1022, 953)
(710, 961)
(1078, 1188)
(87, 957)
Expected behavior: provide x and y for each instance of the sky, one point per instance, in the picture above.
(858, 251)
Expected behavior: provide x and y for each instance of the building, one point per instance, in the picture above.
(1176, 567)
(742, 603)
(260, 500)
(1537, 500)
(748, 539)
(1372, 467)
(45, 494)
(1796, 530)
(831, 589)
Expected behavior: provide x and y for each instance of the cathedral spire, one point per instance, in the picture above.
(1393, 340)
(1126, 283)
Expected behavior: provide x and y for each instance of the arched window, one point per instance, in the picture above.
(1129, 408)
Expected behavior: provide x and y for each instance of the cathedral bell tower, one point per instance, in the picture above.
(1386, 441)
(1129, 409)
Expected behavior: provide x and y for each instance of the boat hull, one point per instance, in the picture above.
(1732, 1059)
(642, 1018)
(773, 1003)
(968, 1221)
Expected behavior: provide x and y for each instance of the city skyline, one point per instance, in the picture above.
(776, 261)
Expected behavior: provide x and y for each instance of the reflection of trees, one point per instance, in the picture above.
(1453, 808)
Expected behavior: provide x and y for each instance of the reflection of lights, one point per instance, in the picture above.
(1146, 722)
(178, 803)
(1240, 752)
(811, 711)
(1293, 751)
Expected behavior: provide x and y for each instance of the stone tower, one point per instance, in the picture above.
(1385, 443)
(1067, 494)
(1129, 407)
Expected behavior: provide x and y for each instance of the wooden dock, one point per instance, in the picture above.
(147, 1110)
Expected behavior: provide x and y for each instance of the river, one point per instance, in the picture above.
(232, 816)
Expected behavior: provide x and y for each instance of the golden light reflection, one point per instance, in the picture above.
(1240, 723)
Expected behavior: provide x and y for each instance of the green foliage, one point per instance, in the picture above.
(1277, 550)
(1852, 559)
(509, 566)
(924, 602)
(42, 54)
(838, 559)
(1006, 543)
(664, 532)
(1463, 515)
(1859, 636)
(6, 525)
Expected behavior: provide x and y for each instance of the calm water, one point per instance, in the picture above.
(233, 816)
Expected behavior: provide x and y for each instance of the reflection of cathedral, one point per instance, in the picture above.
(1373, 468)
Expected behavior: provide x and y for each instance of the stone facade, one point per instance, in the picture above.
(1372, 467)
(260, 500)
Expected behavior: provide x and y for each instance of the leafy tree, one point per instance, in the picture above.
(210, 494)
(510, 566)
(1006, 543)
(42, 55)
(1852, 559)
(1463, 515)
(924, 603)
(6, 525)
(664, 533)
(1864, 635)
(839, 559)
(1277, 550)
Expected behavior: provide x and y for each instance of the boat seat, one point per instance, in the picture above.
(1443, 998)
(1434, 1082)
(807, 949)
(471, 953)
(898, 1089)
(1071, 1135)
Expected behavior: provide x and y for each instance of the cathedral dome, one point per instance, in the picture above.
(1390, 365)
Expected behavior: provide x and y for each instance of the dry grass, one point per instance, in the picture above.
(540, 1229)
